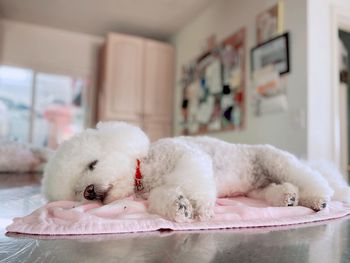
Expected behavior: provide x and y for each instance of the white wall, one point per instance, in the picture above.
(323, 137)
(224, 18)
(320, 126)
(50, 50)
(47, 48)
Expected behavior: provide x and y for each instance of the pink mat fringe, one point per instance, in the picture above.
(130, 215)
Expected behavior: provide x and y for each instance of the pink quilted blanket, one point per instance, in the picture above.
(130, 215)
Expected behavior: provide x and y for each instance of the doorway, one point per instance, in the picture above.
(344, 87)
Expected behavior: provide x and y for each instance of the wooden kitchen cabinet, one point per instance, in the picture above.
(136, 83)
(159, 70)
(121, 93)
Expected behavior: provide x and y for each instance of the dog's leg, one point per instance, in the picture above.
(334, 178)
(284, 194)
(281, 167)
(169, 201)
(189, 191)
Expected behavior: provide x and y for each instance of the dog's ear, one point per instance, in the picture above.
(124, 137)
(43, 154)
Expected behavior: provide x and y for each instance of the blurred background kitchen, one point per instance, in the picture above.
(246, 71)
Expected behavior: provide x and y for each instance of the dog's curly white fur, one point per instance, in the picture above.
(182, 176)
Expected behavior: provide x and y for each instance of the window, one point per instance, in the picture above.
(39, 108)
(15, 99)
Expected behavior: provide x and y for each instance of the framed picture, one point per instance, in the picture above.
(269, 23)
(273, 52)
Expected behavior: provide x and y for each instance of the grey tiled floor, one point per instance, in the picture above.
(325, 242)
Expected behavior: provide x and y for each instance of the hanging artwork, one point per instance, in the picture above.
(269, 23)
(270, 64)
(214, 89)
(272, 52)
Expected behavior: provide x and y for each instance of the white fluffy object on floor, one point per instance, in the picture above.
(20, 157)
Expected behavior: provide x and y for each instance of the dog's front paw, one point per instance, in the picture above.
(182, 210)
(314, 202)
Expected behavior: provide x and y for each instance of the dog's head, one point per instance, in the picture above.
(97, 164)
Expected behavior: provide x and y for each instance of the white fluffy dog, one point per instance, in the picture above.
(181, 177)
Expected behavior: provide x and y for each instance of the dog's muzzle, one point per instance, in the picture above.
(90, 193)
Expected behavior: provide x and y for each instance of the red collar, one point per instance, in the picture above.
(138, 177)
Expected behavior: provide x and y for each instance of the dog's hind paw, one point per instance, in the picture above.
(315, 203)
(285, 194)
(289, 195)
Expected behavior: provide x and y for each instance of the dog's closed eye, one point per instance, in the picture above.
(91, 166)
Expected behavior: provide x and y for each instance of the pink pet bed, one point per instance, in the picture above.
(130, 215)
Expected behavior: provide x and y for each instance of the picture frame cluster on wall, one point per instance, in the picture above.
(213, 88)
(270, 62)
(214, 83)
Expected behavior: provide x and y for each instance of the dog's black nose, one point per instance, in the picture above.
(89, 192)
(92, 192)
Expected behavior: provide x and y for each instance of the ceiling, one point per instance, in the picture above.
(153, 18)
